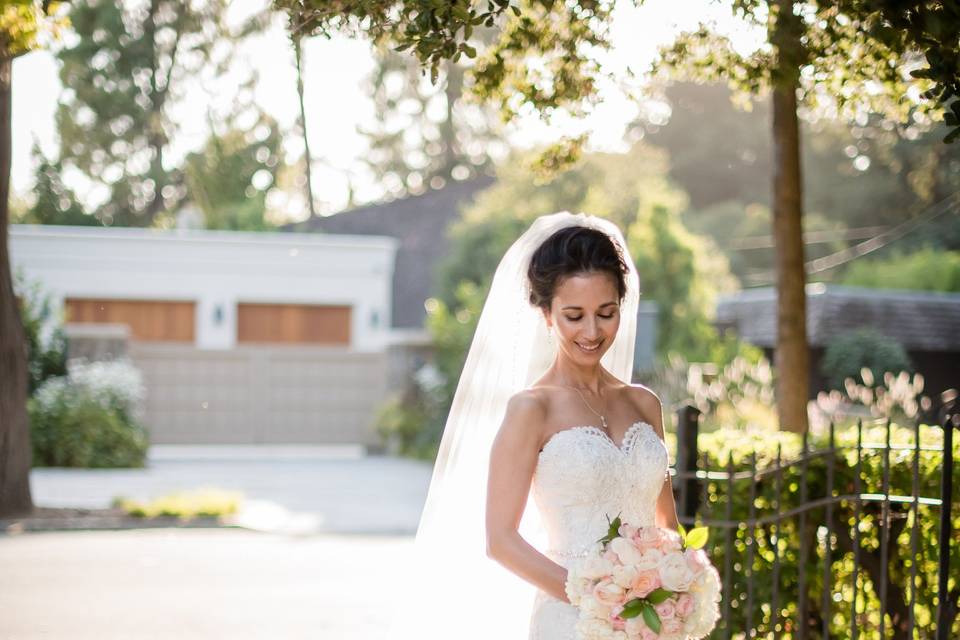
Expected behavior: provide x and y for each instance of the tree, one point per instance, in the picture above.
(296, 39)
(22, 24)
(54, 202)
(846, 54)
(121, 75)
(860, 177)
(228, 180)
(424, 136)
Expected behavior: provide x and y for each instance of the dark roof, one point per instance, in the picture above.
(919, 320)
(420, 224)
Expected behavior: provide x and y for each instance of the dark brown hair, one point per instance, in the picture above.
(570, 251)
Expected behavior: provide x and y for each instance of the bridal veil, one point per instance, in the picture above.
(448, 588)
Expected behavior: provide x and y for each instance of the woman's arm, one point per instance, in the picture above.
(513, 459)
(666, 510)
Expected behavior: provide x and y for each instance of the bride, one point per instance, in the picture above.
(546, 441)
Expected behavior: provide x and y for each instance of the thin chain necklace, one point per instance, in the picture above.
(603, 421)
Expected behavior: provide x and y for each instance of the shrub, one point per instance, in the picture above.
(850, 352)
(46, 343)
(754, 569)
(89, 418)
(205, 502)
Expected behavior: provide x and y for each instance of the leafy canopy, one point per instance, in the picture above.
(854, 54)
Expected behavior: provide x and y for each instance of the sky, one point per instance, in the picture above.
(337, 105)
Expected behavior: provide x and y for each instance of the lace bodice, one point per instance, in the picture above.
(583, 478)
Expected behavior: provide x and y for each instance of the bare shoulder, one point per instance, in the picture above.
(528, 403)
(525, 415)
(648, 405)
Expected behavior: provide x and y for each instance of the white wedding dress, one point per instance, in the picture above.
(582, 479)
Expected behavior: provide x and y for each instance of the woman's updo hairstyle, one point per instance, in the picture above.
(570, 251)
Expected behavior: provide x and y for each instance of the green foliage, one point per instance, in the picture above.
(25, 23)
(230, 177)
(54, 202)
(850, 352)
(565, 38)
(863, 176)
(186, 505)
(121, 74)
(78, 431)
(424, 136)
(681, 272)
(765, 541)
(89, 418)
(852, 52)
(46, 342)
(927, 269)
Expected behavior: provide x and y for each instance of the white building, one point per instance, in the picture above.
(242, 337)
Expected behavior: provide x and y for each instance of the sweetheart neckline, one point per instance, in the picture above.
(622, 447)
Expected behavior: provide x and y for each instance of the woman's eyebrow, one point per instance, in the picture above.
(605, 304)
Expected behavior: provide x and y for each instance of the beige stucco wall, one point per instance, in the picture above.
(260, 394)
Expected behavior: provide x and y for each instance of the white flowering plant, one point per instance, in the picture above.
(645, 583)
(90, 417)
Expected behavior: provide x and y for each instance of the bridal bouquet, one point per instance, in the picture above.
(645, 583)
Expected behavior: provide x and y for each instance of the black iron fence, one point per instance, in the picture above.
(846, 537)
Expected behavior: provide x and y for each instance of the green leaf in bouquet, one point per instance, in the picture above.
(658, 595)
(682, 532)
(697, 538)
(651, 618)
(613, 531)
(632, 609)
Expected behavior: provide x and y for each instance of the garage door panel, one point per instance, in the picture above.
(149, 320)
(293, 324)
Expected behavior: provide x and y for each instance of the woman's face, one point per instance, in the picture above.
(585, 315)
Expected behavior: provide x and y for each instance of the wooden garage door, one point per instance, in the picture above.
(293, 323)
(154, 320)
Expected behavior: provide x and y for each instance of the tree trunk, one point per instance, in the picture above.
(15, 450)
(298, 53)
(792, 356)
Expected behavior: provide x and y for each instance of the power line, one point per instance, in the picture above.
(949, 204)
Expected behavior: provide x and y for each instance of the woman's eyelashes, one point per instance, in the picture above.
(599, 315)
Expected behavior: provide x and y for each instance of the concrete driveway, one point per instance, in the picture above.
(287, 488)
(323, 526)
(186, 584)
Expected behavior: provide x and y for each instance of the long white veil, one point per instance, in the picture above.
(448, 587)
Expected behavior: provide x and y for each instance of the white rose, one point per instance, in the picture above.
(624, 576)
(625, 550)
(675, 573)
(593, 608)
(649, 559)
(594, 629)
(594, 567)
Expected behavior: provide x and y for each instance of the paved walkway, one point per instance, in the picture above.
(287, 489)
(197, 584)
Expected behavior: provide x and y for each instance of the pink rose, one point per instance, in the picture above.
(684, 605)
(696, 559)
(667, 610)
(609, 555)
(648, 538)
(645, 582)
(671, 626)
(627, 530)
(609, 593)
(648, 634)
(671, 540)
(618, 623)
